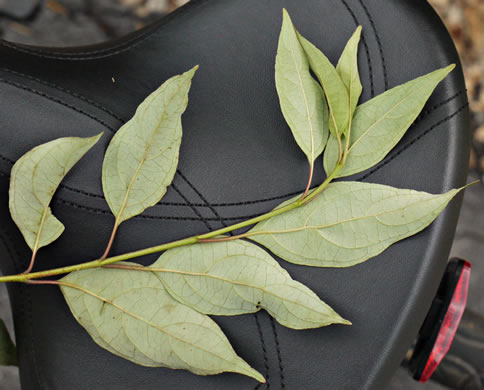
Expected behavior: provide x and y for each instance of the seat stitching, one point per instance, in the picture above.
(107, 52)
(264, 351)
(416, 139)
(63, 186)
(192, 207)
(57, 100)
(65, 90)
(279, 358)
(204, 200)
(378, 41)
(93, 195)
(155, 217)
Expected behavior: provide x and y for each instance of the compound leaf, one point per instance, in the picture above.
(131, 314)
(380, 123)
(301, 98)
(33, 182)
(142, 157)
(349, 223)
(237, 277)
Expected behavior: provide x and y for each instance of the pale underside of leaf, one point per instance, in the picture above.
(33, 182)
(380, 123)
(142, 157)
(237, 277)
(301, 98)
(130, 314)
(347, 68)
(349, 223)
(334, 88)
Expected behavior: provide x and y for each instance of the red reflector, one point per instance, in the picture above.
(449, 325)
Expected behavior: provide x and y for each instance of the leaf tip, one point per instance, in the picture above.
(97, 137)
(448, 69)
(286, 18)
(344, 322)
(192, 71)
(258, 376)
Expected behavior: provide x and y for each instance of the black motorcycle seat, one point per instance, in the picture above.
(238, 159)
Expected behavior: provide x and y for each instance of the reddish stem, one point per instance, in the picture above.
(32, 261)
(49, 282)
(111, 240)
(221, 239)
(310, 180)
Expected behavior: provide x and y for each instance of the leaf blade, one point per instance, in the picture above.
(347, 68)
(333, 87)
(126, 308)
(237, 277)
(301, 98)
(380, 123)
(35, 178)
(142, 157)
(349, 223)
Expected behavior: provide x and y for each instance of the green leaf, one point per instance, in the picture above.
(142, 157)
(8, 352)
(334, 88)
(348, 223)
(381, 122)
(33, 182)
(238, 277)
(131, 315)
(301, 98)
(348, 70)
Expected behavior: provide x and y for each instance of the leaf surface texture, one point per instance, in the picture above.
(237, 277)
(349, 223)
(33, 182)
(142, 157)
(132, 315)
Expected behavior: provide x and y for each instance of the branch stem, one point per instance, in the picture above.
(207, 237)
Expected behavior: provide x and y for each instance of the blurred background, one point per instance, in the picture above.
(80, 22)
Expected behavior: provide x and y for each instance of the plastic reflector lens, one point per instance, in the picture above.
(449, 325)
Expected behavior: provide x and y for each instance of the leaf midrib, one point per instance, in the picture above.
(143, 159)
(381, 118)
(308, 115)
(126, 311)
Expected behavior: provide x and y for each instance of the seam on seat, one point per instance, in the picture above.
(65, 90)
(219, 218)
(406, 147)
(197, 213)
(278, 349)
(378, 41)
(107, 52)
(204, 200)
(365, 45)
(57, 100)
(416, 139)
(264, 351)
(95, 118)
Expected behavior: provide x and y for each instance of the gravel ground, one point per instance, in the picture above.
(77, 22)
